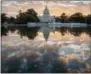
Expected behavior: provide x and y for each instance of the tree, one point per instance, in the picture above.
(57, 19)
(29, 16)
(31, 12)
(20, 18)
(3, 18)
(88, 19)
(31, 33)
(11, 20)
(63, 18)
(77, 17)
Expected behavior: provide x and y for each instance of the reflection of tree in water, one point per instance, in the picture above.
(88, 31)
(4, 31)
(31, 32)
(23, 31)
(62, 30)
(75, 31)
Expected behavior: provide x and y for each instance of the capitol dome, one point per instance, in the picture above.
(46, 16)
(46, 12)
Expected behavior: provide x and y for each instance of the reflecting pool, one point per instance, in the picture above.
(59, 54)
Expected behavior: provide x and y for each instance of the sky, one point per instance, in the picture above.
(56, 7)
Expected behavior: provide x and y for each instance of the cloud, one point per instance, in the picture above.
(11, 3)
(74, 1)
(67, 5)
(55, 6)
(83, 2)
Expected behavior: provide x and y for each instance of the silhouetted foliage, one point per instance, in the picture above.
(77, 17)
(57, 19)
(11, 20)
(29, 16)
(63, 18)
(88, 19)
(4, 18)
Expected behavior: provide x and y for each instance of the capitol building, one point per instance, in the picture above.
(47, 20)
(46, 16)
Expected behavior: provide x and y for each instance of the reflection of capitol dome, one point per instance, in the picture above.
(46, 16)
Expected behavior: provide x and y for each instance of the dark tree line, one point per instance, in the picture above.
(76, 17)
(31, 16)
(22, 18)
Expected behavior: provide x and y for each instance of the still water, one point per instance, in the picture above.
(59, 54)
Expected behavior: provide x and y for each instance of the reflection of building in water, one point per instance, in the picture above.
(46, 16)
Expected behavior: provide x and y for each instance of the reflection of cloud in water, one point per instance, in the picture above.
(78, 50)
(39, 56)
